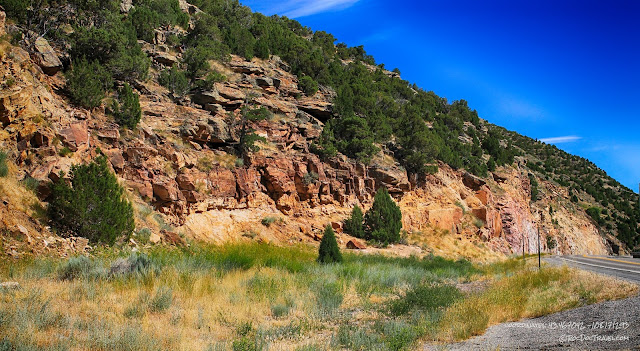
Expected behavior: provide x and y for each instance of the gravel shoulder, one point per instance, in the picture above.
(610, 325)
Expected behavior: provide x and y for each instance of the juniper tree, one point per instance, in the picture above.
(353, 224)
(246, 135)
(329, 251)
(126, 109)
(383, 221)
(176, 81)
(92, 206)
(87, 83)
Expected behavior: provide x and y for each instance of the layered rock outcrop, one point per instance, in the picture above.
(181, 161)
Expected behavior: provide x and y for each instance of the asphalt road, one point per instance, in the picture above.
(610, 325)
(623, 267)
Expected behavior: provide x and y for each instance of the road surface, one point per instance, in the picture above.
(623, 267)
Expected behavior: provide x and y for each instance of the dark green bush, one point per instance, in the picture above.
(383, 221)
(209, 80)
(594, 213)
(247, 138)
(353, 224)
(534, 187)
(354, 138)
(425, 298)
(176, 81)
(126, 108)
(261, 49)
(308, 85)
(149, 15)
(88, 82)
(114, 46)
(329, 252)
(197, 58)
(4, 168)
(92, 206)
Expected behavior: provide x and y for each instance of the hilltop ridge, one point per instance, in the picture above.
(338, 126)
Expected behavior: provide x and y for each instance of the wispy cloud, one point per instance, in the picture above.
(520, 109)
(302, 8)
(561, 139)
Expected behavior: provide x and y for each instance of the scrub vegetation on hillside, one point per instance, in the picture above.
(374, 110)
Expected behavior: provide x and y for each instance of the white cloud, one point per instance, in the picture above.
(520, 109)
(301, 8)
(561, 139)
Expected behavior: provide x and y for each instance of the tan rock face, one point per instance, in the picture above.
(13, 102)
(46, 57)
(3, 17)
(166, 190)
(76, 136)
(161, 162)
(446, 218)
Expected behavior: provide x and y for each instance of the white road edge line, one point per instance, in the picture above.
(595, 265)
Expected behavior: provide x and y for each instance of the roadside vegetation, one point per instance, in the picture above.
(249, 296)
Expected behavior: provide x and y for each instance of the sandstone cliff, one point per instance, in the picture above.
(181, 172)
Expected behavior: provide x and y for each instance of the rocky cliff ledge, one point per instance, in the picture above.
(182, 174)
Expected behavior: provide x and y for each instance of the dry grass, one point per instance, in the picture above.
(22, 199)
(254, 296)
(527, 294)
(444, 243)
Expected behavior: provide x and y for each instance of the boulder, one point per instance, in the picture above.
(165, 58)
(116, 158)
(3, 17)
(276, 105)
(229, 92)
(76, 136)
(188, 8)
(46, 57)
(242, 66)
(126, 6)
(264, 82)
(472, 182)
(110, 133)
(322, 110)
(392, 178)
(166, 190)
(209, 97)
(354, 244)
(154, 238)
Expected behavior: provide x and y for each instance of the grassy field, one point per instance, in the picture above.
(260, 296)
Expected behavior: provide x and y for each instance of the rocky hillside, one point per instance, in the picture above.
(183, 172)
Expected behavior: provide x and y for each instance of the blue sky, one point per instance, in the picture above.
(563, 71)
